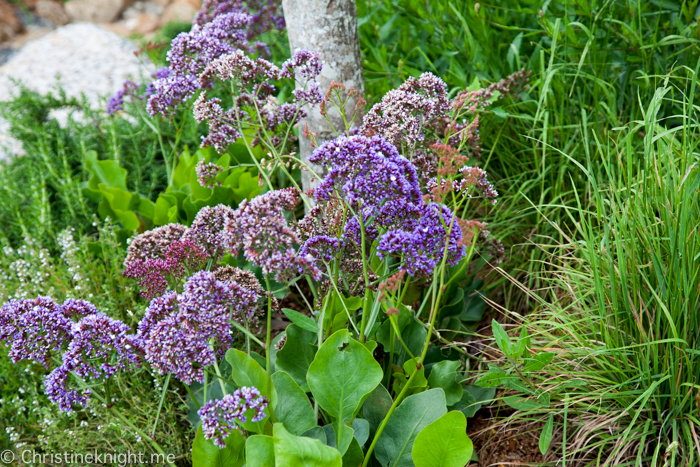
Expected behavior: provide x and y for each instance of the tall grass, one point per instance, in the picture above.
(623, 306)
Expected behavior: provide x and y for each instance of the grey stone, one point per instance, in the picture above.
(87, 58)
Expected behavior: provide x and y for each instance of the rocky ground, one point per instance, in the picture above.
(80, 44)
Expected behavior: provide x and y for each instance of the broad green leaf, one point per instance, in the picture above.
(348, 435)
(546, 436)
(318, 433)
(300, 451)
(443, 443)
(501, 337)
(260, 451)
(376, 406)
(297, 354)
(293, 406)
(207, 454)
(394, 446)
(444, 375)
(341, 377)
(361, 428)
(354, 456)
(473, 398)
(247, 372)
(301, 320)
(539, 361)
(108, 172)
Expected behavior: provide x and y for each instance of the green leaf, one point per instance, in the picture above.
(348, 436)
(400, 379)
(502, 339)
(301, 320)
(300, 451)
(318, 433)
(376, 406)
(297, 354)
(341, 377)
(539, 361)
(260, 451)
(443, 443)
(410, 417)
(247, 372)
(444, 375)
(108, 172)
(293, 406)
(473, 398)
(546, 436)
(354, 456)
(207, 454)
(521, 403)
(361, 428)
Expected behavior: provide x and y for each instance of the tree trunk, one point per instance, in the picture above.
(328, 27)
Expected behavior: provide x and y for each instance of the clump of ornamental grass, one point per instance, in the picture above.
(620, 312)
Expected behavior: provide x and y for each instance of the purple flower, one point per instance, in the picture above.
(305, 62)
(34, 329)
(219, 417)
(189, 55)
(56, 388)
(182, 334)
(153, 243)
(476, 177)
(101, 346)
(422, 247)
(116, 101)
(265, 14)
(73, 308)
(366, 172)
(222, 124)
(208, 228)
(180, 257)
(403, 112)
(261, 230)
(371, 176)
(207, 172)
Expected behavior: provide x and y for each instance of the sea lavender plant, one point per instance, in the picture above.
(182, 334)
(219, 417)
(259, 228)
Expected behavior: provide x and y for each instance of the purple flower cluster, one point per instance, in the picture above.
(252, 78)
(207, 229)
(219, 416)
(34, 329)
(265, 14)
(261, 230)
(159, 256)
(207, 172)
(100, 347)
(153, 274)
(423, 247)
(181, 334)
(371, 176)
(189, 55)
(403, 113)
(381, 188)
(116, 101)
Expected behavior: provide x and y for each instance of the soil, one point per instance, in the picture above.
(504, 445)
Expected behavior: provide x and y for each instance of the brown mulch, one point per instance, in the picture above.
(504, 445)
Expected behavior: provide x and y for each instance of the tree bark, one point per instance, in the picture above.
(329, 28)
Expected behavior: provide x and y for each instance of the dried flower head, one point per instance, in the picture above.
(403, 113)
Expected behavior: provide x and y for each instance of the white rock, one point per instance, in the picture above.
(88, 59)
(96, 11)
